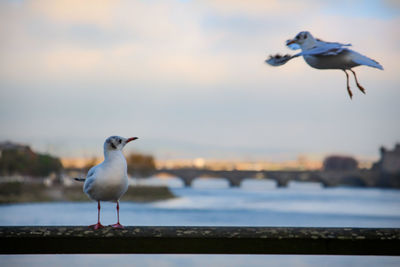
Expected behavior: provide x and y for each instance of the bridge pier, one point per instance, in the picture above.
(187, 182)
(234, 183)
(281, 183)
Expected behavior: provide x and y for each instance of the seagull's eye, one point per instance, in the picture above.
(305, 36)
(119, 141)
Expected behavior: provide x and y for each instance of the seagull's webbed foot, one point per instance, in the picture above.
(96, 226)
(117, 226)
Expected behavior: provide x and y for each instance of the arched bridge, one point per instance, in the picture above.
(235, 177)
(357, 177)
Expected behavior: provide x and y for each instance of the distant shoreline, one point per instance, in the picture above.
(17, 192)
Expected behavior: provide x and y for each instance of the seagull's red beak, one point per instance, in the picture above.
(289, 42)
(131, 139)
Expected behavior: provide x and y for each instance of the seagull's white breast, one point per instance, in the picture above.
(109, 180)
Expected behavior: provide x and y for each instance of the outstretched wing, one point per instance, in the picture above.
(320, 42)
(279, 60)
(327, 49)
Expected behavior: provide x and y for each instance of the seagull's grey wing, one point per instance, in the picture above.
(90, 179)
(278, 60)
(88, 184)
(325, 50)
(91, 171)
(320, 42)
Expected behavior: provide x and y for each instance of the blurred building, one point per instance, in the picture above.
(390, 160)
(388, 167)
(340, 163)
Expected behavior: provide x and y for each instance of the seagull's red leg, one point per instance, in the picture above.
(117, 225)
(348, 86)
(358, 85)
(98, 225)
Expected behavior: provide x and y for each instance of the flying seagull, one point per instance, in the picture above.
(325, 55)
(108, 181)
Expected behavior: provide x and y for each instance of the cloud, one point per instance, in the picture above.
(141, 46)
(136, 41)
(99, 12)
(392, 4)
(192, 72)
(260, 7)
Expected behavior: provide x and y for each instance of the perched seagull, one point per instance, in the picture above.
(325, 55)
(108, 181)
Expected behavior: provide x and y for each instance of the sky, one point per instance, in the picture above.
(189, 79)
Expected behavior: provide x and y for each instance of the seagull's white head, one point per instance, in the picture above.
(114, 143)
(303, 39)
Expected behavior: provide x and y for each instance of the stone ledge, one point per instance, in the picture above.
(199, 240)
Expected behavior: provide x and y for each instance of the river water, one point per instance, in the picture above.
(212, 203)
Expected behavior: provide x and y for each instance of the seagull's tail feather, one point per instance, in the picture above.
(363, 60)
(80, 179)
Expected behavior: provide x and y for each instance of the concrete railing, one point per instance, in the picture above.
(199, 240)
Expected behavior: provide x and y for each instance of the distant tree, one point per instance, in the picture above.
(340, 163)
(15, 161)
(22, 160)
(140, 165)
(45, 165)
